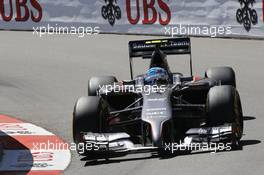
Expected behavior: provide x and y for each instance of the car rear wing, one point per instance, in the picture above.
(170, 46)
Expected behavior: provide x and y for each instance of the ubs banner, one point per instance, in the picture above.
(225, 18)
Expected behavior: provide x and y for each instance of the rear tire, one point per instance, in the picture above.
(224, 75)
(224, 106)
(95, 83)
(89, 116)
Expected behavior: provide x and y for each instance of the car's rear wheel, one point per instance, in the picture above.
(224, 75)
(96, 82)
(89, 115)
(224, 106)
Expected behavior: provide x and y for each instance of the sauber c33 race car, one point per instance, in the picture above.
(153, 110)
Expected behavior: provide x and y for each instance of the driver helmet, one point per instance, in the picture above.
(156, 76)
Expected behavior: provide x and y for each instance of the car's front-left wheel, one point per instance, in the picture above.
(224, 106)
(89, 115)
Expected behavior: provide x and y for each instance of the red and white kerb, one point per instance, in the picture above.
(29, 149)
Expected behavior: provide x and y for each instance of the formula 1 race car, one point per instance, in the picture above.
(154, 110)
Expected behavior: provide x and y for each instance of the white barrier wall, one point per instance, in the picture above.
(224, 18)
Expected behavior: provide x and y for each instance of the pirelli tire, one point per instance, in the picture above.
(96, 82)
(89, 115)
(224, 106)
(223, 75)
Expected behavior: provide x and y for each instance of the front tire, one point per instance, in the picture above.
(224, 106)
(89, 115)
